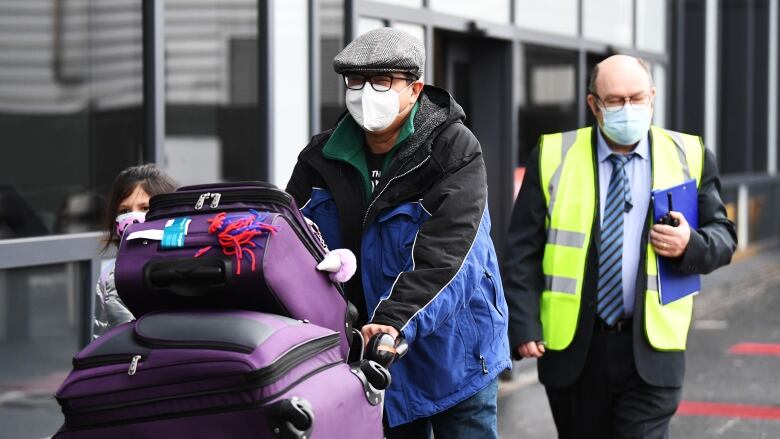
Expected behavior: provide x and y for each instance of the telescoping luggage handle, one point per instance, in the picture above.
(384, 349)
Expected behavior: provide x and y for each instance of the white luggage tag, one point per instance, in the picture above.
(152, 234)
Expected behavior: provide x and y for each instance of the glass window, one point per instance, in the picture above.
(365, 24)
(41, 323)
(659, 106)
(291, 76)
(651, 25)
(548, 101)
(560, 17)
(609, 21)
(743, 83)
(488, 10)
(688, 108)
(553, 85)
(406, 3)
(71, 95)
(211, 62)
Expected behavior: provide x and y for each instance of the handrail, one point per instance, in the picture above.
(749, 179)
(51, 249)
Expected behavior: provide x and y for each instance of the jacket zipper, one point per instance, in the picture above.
(255, 379)
(417, 166)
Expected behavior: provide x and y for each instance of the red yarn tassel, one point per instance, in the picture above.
(235, 236)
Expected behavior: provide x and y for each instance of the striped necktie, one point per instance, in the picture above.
(610, 287)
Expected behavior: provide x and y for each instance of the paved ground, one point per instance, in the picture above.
(739, 304)
(727, 395)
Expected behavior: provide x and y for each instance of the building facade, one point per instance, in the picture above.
(232, 90)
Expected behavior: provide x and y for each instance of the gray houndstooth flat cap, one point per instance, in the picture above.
(382, 50)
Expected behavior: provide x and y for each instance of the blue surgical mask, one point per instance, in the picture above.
(628, 125)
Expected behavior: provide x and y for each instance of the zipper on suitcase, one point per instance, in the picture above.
(293, 357)
(214, 410)
(255, 379)
(105, 360)
(133, 365)
(259, 195)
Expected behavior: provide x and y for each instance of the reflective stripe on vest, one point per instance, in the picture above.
(569, 187)
(570, 216)
(677, 158)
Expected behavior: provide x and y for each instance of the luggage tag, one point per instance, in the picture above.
(174, 232)
(151, 234)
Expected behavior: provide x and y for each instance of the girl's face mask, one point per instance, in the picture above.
(125, 219)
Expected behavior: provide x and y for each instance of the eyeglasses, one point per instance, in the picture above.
(356, 81)
(616, 103)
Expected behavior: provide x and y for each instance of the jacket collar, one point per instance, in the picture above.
(347, 144)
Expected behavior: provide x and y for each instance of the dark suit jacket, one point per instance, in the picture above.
(711, 246)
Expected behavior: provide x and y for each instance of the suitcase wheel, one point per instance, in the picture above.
(377, 375)
(292, 418)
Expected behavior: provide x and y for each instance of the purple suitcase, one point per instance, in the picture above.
(209, 374)
(174, 261)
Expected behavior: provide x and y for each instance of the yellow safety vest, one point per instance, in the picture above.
(568, 179)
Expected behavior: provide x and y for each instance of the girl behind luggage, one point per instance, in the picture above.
(128, 202)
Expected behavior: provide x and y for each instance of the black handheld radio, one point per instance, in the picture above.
(667, 219)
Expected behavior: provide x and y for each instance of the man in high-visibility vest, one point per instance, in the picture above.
(581, 276)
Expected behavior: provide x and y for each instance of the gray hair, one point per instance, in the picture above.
(595, 73)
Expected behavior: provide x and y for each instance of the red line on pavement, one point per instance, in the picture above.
(698, 408)
(767, 349)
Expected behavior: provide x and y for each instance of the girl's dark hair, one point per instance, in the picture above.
(151, 179)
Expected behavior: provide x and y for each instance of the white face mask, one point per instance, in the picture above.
(124, 220)
(374, 110)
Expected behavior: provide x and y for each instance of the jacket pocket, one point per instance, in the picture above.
(488, 310)
(398, 227)
(321, 208)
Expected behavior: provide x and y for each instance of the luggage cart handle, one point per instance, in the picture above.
(383, 349)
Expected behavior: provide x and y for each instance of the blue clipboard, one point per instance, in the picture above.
(672, 283)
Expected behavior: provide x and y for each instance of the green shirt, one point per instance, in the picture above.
(347, 144)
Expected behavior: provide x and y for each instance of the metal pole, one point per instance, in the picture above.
(265, 82)
(743, 231)
(350, 20)
(711, 75)
(772, 139)
(679, 61)
(89, 304)
(154, 81)
(314, 67)
(750, 53)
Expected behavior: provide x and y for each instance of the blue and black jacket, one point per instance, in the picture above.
(426, 261)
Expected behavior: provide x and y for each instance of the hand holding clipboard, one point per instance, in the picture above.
(671, 232)
(677, 204)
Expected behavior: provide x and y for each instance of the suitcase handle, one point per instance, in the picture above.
(234, 184)
(187, 277)
(383, 349)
